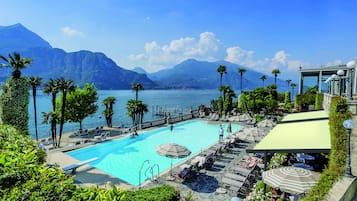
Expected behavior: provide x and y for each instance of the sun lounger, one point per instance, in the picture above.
(241, 170)
(103, 136)
(74, 167)
(231, 184)
(235, 176)
(186, 172)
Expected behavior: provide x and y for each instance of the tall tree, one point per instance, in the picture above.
(288, 81)
(221, 70)
(16, 63)
(275, 72)
(51, 87)
(109, 111)
(137, 87)
(293, 85)
(35, 81)
(81, 103)
(136, 110)
(241, 71)
(223, 89)
(51, 118)
(64, 86)
(263, 78)
(142, 109)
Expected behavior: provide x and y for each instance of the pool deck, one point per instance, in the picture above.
(86, 175)
(204, 187)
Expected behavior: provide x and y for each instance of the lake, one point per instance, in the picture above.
(174, 101)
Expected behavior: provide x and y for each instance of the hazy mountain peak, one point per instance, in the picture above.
(140, 70)
(17, 37)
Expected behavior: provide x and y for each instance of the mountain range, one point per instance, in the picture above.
(95, 67)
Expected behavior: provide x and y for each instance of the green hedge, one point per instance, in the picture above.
(304, 99)
(337, 156)
(14, 101)
(24, 175)
(319, 98)
(161, 193)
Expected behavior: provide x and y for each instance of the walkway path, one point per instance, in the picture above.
(354, 148)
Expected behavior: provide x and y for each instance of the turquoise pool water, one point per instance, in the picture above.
(124, 157)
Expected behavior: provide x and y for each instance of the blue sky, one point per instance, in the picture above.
(158, 34)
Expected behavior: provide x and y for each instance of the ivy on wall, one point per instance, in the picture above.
(337, 156)
(14, 101)
(319, 98)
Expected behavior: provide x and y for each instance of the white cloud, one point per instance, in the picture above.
(240, 56)
(208, 48)
(280, 60)
(280, 57)
(68, 31)
(158, 57)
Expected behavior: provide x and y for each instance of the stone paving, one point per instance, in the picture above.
(207, 185)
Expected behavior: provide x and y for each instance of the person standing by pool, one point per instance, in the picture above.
(221, 132)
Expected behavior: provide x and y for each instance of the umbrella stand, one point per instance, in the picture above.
(172, 150)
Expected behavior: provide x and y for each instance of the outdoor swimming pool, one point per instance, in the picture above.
(124, 157)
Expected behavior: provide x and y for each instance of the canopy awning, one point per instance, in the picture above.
(305, 116)
(312, 136)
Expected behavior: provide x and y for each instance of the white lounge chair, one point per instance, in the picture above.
(74, 167)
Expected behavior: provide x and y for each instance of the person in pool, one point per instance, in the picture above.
(134, 133)
(221, 132)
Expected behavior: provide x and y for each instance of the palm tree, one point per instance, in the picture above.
(224, 90)
(131, 110)
(51, 87)
(263, 78)
(221, 70)
(275, 72)
(288, 81)
(64, 86)
(142, 108)
(109, 112)
(51, 118)
(241, 71)
(136, 87)
(35, 81)
(16, 63)
(293, 85)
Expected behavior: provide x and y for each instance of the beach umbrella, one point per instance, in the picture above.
(291, 179)
(173, 150)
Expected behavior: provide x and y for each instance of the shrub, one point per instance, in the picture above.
(304, 99)
(337, 156)
(277, 160)
(14, 102)
(161, 193)
(23, 174)
(319, 101)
